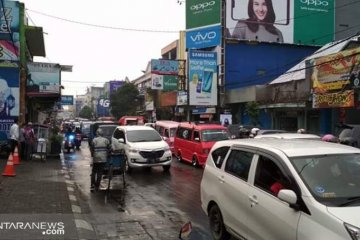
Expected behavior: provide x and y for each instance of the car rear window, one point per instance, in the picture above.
(143, 136)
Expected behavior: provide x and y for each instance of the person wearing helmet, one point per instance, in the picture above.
(254, 132)
(100, 148)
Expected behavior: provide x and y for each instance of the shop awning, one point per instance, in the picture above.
(35, 40)
(298, 71)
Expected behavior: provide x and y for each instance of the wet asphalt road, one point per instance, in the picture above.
(173, 197)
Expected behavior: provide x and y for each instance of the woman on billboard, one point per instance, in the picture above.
(260, 24)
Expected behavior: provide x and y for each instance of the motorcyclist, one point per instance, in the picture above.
(100, 148)
(254, 132)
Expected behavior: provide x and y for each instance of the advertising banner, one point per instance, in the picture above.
(334, 100)
(170, 83)
(225, 119)
(43, 78)
(9, 92)
(202, 78)
(200, 13)
(157, 81)
(114, 85)
(335, 72)
(306, 22)
(102, 107)
(168, 99)
(181, 98)
(67, 100)
(10, 50)
(9, 97)
(203, 37)
(164, 67)
(9, 20)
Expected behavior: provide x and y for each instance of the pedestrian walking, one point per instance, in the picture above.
(29, 141)
(100, 148)
(22, 140)
(14, 136)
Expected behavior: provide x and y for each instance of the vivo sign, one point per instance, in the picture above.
(204, 37)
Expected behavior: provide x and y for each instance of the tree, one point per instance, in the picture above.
(124, 101)
(253, 111)
(86, 112)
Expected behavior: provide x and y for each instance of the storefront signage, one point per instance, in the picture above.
(67, 100)
(334, 100)
(164, 67)
(43, 78)
(200, 13)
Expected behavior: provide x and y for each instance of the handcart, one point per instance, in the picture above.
(113, 174)
(40, 147)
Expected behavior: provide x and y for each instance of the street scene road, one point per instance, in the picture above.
(153, 205)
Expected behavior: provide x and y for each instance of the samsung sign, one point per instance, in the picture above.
(203, 37)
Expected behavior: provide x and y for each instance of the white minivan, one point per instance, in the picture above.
(277, 189)
(143, 147)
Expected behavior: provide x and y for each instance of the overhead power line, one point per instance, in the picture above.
(101, 26)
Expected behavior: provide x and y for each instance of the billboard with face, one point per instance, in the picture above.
(43, 78)
(308, 22)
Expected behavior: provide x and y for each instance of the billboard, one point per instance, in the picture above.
(67, 100)
(114, 85)
(102, 107)
(306, 22)
(9, 20)
(43, 78)
(164, 67)
(164, 82)
(9, 91)
(200, 13)
(202, 78)
(10, 50)
(203, 37)
(334, 77)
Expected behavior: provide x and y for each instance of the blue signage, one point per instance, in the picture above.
(102, 108)
(67, 100)
(203, 37)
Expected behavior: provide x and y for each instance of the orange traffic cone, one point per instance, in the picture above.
(16, 156)
(9, 168)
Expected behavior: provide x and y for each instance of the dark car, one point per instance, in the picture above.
(94, 126)
(108, 130)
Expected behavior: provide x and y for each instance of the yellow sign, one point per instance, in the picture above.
(334, 100)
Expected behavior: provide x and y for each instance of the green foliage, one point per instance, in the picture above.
(56, 138)
(124, 101)
(253, 111)
(86, 112)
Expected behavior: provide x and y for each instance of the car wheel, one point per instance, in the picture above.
(166, 168)
(195, 161)
(178, 157)
(216, 222)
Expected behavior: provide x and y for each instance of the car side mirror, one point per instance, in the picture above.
(288, 196)
(197, 139)
(121, 140)
(165, 138)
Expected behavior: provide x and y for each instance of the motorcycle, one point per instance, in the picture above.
(69, 142)
(78, 138)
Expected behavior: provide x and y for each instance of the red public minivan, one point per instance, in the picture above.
(193, 141)
(167, 130)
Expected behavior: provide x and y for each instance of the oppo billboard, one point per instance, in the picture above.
(308, 22)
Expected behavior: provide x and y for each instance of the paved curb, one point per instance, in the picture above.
(84, 228)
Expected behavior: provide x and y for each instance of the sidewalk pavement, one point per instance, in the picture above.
(35, 203)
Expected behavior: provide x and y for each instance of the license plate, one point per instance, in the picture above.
(153, 160)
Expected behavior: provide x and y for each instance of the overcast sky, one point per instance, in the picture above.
(100, 54)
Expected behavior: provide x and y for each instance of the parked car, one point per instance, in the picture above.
(274, 189)
(193, 141)
(167, 129)
(143, 147)
(290, 136)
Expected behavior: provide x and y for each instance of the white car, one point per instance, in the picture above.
(290, 136)
(278, 189)
(143, 147)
